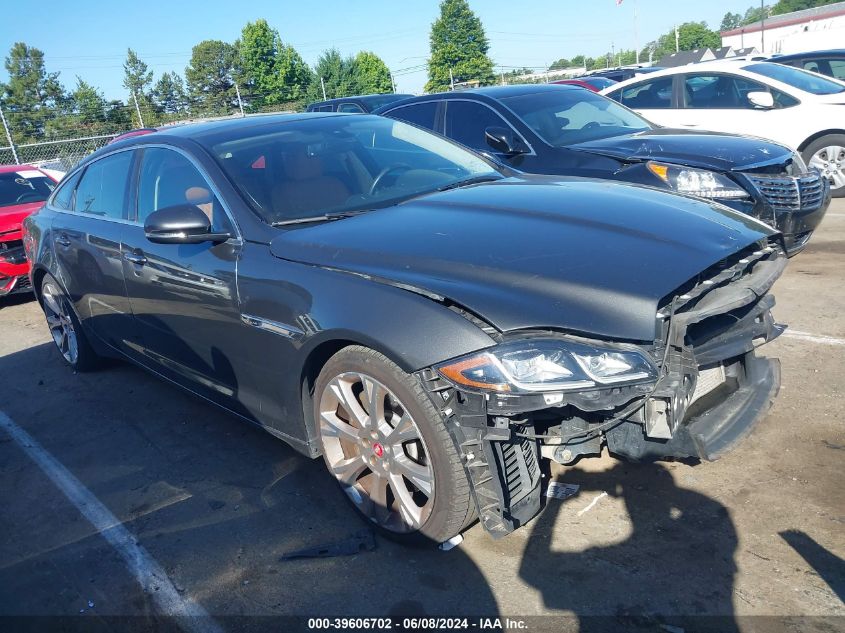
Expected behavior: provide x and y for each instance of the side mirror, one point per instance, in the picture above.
(505, 141)
(760, 99)
(181, 224)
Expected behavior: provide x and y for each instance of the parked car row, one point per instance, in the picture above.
(799, 109)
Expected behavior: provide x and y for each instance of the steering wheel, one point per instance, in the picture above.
(377, 182)
(29, 194)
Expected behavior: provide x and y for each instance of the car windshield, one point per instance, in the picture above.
(23, 186)
(308, 168)
(797, 78)
(567, 116)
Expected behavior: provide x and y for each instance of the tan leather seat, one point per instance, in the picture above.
(306, 187)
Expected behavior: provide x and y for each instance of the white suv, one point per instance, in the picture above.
(794, 107)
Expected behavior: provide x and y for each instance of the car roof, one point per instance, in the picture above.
(834, 52)
(364, 98)
(5, 169)
(716, 65)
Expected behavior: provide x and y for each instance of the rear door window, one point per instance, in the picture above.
(102, 190)
(647, 95)
(350, 107)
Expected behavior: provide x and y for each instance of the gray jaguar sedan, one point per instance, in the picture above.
(431, 324)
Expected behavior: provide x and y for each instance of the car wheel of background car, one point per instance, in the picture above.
(65, 328)
(388, 447)
(827, 154)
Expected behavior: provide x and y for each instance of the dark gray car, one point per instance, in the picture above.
(430, 324)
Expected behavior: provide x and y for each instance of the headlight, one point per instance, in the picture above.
(798, 167)
(548, 365)
(697, 182)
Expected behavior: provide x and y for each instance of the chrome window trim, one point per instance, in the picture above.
(202, 171)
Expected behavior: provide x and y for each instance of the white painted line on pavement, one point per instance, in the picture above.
(149, 574)
(814, 338)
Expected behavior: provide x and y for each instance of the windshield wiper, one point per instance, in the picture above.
(326, 217)
(469, 181)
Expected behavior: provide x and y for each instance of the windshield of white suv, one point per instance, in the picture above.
(797, 78)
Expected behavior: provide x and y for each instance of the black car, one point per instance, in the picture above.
(356, 104)
(430, 324)
(624, 73)
(830, 63)
(568, 131)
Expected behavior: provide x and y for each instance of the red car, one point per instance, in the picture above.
(23, 189)
(590, 83)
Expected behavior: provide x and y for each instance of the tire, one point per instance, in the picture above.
(67, 333)
(402, 461)
(828, 155)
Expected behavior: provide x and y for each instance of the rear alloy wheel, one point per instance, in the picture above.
(388, 448)
(64, 327)
(827, 154)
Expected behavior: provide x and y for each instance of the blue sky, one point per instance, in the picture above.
(89, 38)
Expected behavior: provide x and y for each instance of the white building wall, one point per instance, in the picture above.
(794, 38)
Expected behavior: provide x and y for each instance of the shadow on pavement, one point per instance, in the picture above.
(672, 566)
(830, 567)
(215, 501)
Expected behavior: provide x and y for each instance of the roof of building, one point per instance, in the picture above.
(682, 58)
(725, 51)
(788, 19)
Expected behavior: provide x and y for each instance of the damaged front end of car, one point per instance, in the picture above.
(692, 392)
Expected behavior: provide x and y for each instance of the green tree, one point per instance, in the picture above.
(210, 77)
(271, 72)
(31, 95)
(691, 36)
(168, 94)
(561, 63)
(373, 74)
(755, 14)
(788, 6)
(138, 79)
(338, 74)
(295, 73)
(730, 21)
(459, 45)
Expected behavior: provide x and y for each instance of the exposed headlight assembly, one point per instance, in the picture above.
(697, 182)
(531, 365)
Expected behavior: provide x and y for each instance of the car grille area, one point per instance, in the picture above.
(791, 193)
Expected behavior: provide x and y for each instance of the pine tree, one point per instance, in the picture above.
(137, 79)
(210, 77)
(458, 43)
(339, 76)
(32, 95)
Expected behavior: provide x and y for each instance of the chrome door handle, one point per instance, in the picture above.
(134, 258)
(63, 240)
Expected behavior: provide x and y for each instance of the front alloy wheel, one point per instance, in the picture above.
(387, 446)
(827, 154)
(374, 449)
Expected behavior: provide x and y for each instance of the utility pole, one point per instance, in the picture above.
(762, 27)
(612, 51)
(240, 103)
(323, 86)
(138, 108)
(393, 83)
(637, 30)
(502, 72)
(9, 137)
(451, 80)
(677, 39)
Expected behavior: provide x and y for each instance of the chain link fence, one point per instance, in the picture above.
(59, 155)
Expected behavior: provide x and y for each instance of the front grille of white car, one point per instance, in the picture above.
(791, 193)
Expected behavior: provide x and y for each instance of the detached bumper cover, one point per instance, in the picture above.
(717, 430)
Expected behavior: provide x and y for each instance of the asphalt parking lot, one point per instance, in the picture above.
(214, 504)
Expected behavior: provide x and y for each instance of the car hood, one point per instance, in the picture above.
(709, 150)
(580, 255)
(11, 218)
